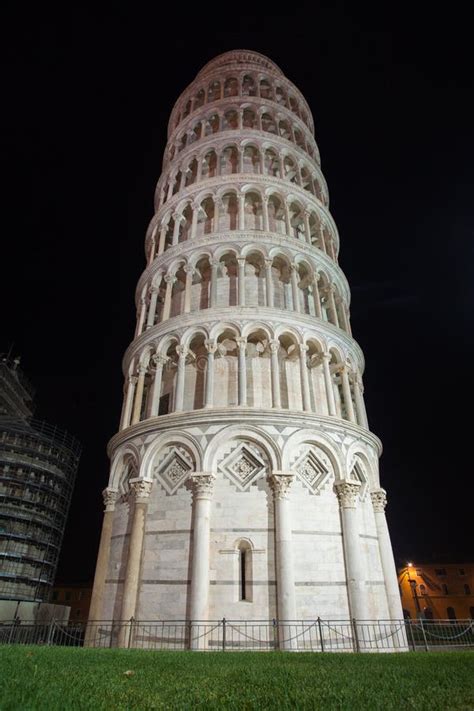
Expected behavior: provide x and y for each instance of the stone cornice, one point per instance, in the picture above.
(272, 317)
(245, 416)
(203, 145)
(235, 238)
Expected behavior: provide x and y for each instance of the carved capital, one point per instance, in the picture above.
(280, 483)
(110, 497)
(211, 346)
(379, 500)
(327, 357)
(241, 261)
(132, 380)
(347, 494)
(268, 262)
(182, 351)
(189, 270)
(241, 342)
(141, 489)
(169, 279)
(274, 346)
(159, 360)
(203, 485)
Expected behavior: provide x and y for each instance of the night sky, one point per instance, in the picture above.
(86, 100)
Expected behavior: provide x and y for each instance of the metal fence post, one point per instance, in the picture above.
(356, 635)
(424, 635)
(223, 634)
(321, 641)
(130, 633)
(412, 637)
(50, 631)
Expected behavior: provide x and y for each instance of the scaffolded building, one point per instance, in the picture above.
(38, 465)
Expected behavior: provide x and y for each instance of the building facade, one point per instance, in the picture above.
(38, 465)
(244, 477)
(437, 591)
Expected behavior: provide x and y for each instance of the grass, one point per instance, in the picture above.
(57, 678)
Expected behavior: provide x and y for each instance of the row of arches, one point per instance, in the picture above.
(252, 208)
(243, 118)
(244, 84)
(250, 369)
(248, 157)
(236, 279)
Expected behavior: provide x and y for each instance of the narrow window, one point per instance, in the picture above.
(451, 613)
(243, 595)
(445, 589)
(467, 589)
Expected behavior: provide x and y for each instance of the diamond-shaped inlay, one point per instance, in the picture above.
(173, 471)
(313, 471)
(243, 466)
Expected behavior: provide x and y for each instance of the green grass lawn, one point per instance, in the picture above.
(60, 678)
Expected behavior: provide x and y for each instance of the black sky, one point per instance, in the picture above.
(87, 98)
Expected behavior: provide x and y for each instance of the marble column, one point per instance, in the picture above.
(275, 366)
(140, 491)
(203, 486)
(241, 280)
(194, 220)
(286, 602)
(332, 305)
(379, 501)
(132, 381)
(306, 397)
(137, 405)
(346, 389)
(348, 495)
(322, 241)
(161, 244)
(242, 345)
(317, 297)
(241, 200)
(294, 288)
(182, 352)
(190, 272)
(177, 222)
(159, 362)
(152, 308)
(141, 317)
(214, 275)
(269, 282)
(266, 224)
(328, 384)
(170, 280)
(359, 401)
(211, 347)
(97, 600)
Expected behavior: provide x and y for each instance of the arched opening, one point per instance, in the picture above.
(251, 160)
(186, 219)
(249, 119)
(200, 98)
(258, 369)
(201, 285)
(231, 87)
(187, 108)
(177, 293)
(254, 280)
(290, 376)
(226, 363)
(228, 214)
(209, 165)
(281, 277)
(276, 215)
(205, 221)
(212, 125)
(195, 374)
(266, 91)
(230, 120)
(248, 86)
(268, 124)
(297, 221)
(305, 290)
(227, 281)
(191, 173)
(229, 161)
(195, 133)
(271, 163)
(168, 381)
(289, 166)
(451, 613)
(319, 402)
(294, 105)
(253, 211)
(299, 138)
(214, 91)
(280, 95)
(284, 130)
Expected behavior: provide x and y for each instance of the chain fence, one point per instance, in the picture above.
(260, 635)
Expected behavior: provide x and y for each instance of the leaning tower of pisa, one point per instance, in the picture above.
(244, 476)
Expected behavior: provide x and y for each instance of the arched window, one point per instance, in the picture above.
(451, 613)
(245, 572)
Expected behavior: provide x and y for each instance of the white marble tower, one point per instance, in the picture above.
(244, 478)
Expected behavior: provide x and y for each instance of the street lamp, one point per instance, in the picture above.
(413, 589)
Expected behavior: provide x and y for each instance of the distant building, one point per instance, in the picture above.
(76, 595)
(38, 465)
(437, 591)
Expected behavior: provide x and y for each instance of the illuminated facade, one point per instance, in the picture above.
(437, 591)
(244, 477)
